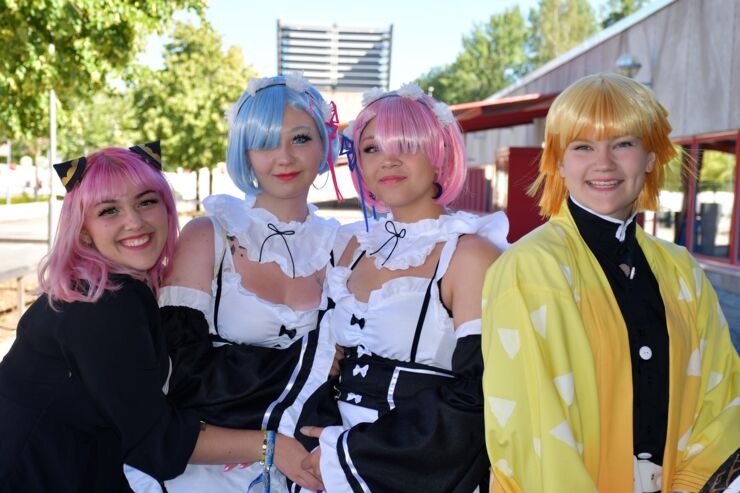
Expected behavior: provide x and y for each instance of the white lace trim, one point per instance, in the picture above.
(310, 244)
(415, 241)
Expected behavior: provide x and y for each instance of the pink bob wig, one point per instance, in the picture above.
(73, 271)
(408, 126)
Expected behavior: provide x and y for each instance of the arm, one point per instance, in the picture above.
(715, 433)
(531, 329)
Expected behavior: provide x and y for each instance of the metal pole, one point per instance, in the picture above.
(7, 182)
(52, 158)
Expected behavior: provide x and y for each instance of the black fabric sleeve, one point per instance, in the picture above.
(229, 385)
(433, 443)
(115, 347)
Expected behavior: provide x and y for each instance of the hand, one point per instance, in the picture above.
(338, 356)
(289, 455)
(312, 463)
(229, 467)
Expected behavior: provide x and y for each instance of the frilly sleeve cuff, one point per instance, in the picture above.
(332, 469)
(469, 328)
(190, 298)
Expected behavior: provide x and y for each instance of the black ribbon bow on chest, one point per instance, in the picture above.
(357, 321)
(390, 226)
(289, 332)
(281, 234)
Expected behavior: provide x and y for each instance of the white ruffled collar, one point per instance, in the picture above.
(395, 245)
(299, 248)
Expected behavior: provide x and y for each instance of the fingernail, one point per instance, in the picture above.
(305, 429)
(228, 468)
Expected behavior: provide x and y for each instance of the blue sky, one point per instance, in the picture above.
(426, 33)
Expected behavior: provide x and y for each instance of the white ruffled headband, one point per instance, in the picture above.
(293, 80)
(409, 91)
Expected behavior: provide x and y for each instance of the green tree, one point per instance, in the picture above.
(91, 39)
(494, 55)
(183, 104)
(559, 25)
(107, 119)
(617, 10)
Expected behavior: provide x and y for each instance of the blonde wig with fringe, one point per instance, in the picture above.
(602, 107)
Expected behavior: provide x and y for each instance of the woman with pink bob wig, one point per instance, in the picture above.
(71, 261)
(82, 387)
(407, 290)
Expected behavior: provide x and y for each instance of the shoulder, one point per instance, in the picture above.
(198, 230)
(345, 242)
(131, 303)
(193, 261)
(475, 251)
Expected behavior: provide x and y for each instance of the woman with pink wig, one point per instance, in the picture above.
(82, 388)
(407, 293)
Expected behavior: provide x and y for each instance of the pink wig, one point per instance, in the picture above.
(406, 125)
(74, 271)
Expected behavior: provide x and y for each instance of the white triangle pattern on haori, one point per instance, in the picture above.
(563, 433)
(537, 446)
(564, 384)
(697, 279)
(501, 409)
(733, 403)
(684, 294)
(568, 274)
(722, 319)
(694, 369)
(539, 320)
(684, 440)
(510, 341)
(714, 379)
(693, 450)
(503, 466)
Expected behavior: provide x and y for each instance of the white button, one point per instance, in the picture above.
(644, 455)
(646, 353)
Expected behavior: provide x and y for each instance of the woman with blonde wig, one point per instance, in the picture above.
(608, 361)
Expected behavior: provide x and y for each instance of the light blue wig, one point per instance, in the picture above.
(258, 124)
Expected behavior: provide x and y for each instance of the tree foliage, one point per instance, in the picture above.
(90, 38)
(617, 10)
(508, 47)
(494, 55)
(183, 104)
(558, 26)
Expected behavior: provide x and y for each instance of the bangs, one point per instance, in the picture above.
(601, 112)
(262, 124)
(106, 177)
(402, 128)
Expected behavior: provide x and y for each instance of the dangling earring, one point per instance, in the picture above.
(437, 190)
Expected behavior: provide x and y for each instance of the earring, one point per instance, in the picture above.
(371, 195)
(438, 190)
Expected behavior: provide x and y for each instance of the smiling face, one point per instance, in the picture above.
(129, 229)
(402, 182)
(288, 170)
(607, 175)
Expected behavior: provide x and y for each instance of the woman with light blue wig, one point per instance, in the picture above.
(244, 296)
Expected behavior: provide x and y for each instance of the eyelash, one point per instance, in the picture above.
(369, 149)
(301, 139)
(108, 211)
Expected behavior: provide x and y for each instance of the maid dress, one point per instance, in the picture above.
(240, 361)
(409, 390)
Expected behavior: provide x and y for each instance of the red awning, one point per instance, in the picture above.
(500, 113)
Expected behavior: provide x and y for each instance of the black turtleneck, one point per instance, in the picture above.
(638, 296)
